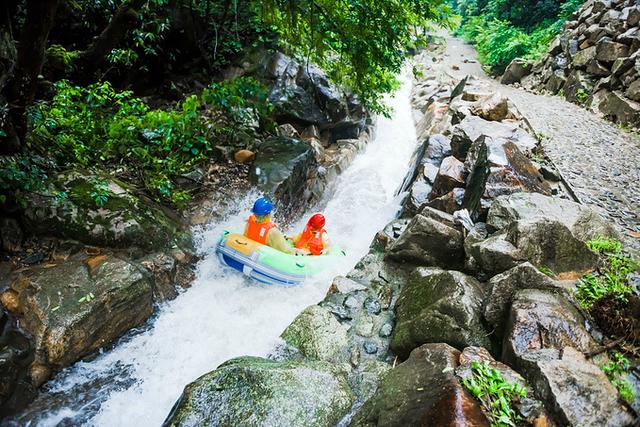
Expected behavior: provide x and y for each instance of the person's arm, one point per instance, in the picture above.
(276, 240)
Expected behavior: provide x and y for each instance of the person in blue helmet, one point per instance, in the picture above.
(260, 228)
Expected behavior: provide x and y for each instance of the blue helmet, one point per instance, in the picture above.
(262, 206)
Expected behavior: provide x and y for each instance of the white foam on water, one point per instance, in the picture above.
(224, 315)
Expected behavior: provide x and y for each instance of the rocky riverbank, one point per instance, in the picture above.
(396, 341)
(77, 275)
(592, 62)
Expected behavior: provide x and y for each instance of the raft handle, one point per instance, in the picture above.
(241, 242)
(299, 265)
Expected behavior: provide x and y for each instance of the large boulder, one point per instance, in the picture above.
(465, 133)
(549, 243)
(423, 390)
(252, 391)
(495, 254)
(541, 323)
(496, 107)
(429, 240)
(281, 165)
(608, 50)
(503, 287)
(516, 71)
(450, 175)
(584, 222)
(615, 106)
(496, 168)
(79, 306)
(579, 393)
(317, 334)
(439, 306)
(67, 208)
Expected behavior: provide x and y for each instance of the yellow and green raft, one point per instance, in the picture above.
(268, 265)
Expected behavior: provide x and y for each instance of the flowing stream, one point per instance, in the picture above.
(223, 315)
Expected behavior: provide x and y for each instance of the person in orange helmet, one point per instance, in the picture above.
(260, 228)
(313, 240)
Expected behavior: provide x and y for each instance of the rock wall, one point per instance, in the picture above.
(436, 293)
(593, 62)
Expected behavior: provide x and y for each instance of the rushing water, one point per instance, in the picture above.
(224, 315)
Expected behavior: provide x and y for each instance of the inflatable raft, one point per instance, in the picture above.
(271, 266)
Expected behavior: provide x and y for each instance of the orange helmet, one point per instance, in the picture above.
(316, 222)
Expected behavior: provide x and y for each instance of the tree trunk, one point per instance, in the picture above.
(21, 88)
(125, 18)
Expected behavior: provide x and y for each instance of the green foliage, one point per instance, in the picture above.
(20, 175)
(613, 276)
(605, 245)
(496, 394)
(582, 96)
(504, 30)
(99, 125)
(617, 370)
(100, 193)
(360, 43)
(547, 271)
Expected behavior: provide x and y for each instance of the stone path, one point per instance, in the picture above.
(600, 161)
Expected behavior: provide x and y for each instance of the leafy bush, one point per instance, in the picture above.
(613, 276)
(617, 369)
(496, 394)
(504, 30)
(20, 175)
(97, 125)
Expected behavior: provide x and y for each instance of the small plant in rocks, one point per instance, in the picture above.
(496, 394)
(617, 370)
(611, 279)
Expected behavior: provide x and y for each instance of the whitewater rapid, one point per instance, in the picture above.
(223, 315)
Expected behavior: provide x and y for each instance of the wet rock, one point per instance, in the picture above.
(585, 224)
(516, 70)
(541, 323)
(582, 58)
(280, 166)
(578, 85)
(422, 391)
(244, 156)
(497, 168)
(439, 306)
(633, 91)
(450, 202)
(597, 69)
(72, 311)
(616, 107)
(370, 347)
(16, 355)
(163, 268)
(471, 128)
(503, 287)
(252, 391)
(579, 393)
(495, 254)
(288, 131)
(556, 82)
(608, 50)
(125, 220)
(438, 147)
(493, 108)
(317, 334)
(429, 242)
(450, 175)
(11, 235)
(549, 243)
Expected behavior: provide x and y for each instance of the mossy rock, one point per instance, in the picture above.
(252, 391)
(68, 209)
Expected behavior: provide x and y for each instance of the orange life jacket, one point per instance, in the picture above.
(311, 241)
(258, 231)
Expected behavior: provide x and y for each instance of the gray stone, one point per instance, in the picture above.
(495, 254)
(584, 223)
(450, 175)
(615, 106)
(517, 69)
(556, 82)
(317, 334)
(582, 58)
(633, 91)
(428, 242)
(597, 69)
(579, 393)
(541, 323)
(252, 391)
(495, 107)
(503, 287)
(549, 243)
(439, 306)
(608, 50)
